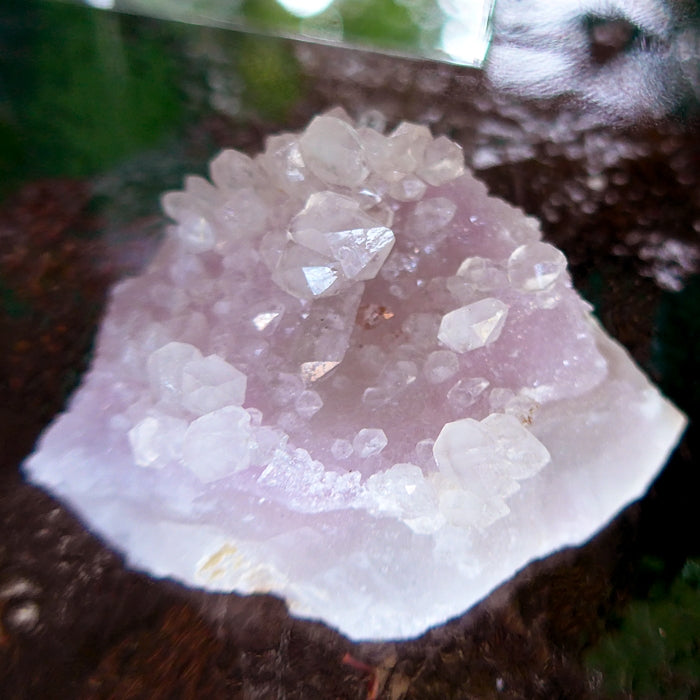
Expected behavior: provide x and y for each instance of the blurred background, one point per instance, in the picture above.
(583, 113)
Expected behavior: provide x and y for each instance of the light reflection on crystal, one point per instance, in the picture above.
(313, 371)
(333, 243)
(264, 319)
(319, 278)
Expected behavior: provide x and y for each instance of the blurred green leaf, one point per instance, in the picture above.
(267, 14)
(656, 650)
(384, 21)
(90, 92)
(271, 76)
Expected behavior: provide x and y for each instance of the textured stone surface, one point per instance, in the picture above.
(379, 420)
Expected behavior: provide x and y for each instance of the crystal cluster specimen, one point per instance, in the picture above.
(353, 379)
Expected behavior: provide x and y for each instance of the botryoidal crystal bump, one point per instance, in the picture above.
(353, 379)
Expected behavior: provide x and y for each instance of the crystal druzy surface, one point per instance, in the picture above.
(353, 379)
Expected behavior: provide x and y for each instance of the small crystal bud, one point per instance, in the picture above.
(535, 267)
(369, 441)
(331, 148)
(308, 403)
(473, 326)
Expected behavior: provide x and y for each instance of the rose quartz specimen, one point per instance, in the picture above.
(353, 379)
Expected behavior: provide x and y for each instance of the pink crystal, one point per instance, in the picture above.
(353, 379)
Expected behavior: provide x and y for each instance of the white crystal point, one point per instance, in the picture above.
(323, 335)
(487, 460)
(477, 274)
(166, 366)
(332, 149)
(241, 214)
(288, 401)
(443, 161)
(194, 211)
(391, 382)
(341, 449)
(305, 274)
(284, 165)
(465, 509)
(490, 456)
(535, 267)
(193, 228)
(332, 245)
(408, 143)
(465, 392)
(308, 403)
(395, 157)
(217, 444)
(404, 493)
(335, 226)
(523, 453)
(429, 217)
(369, 441)
(462, 448)
(156, 440)
(473, 326)
(409, 189)
(440, 366)
(378, 151)
(232, 170)
(210, 383)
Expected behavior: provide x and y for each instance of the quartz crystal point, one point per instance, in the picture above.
(353, 379)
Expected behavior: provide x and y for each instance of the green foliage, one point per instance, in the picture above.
(86, 92)
(386, 22)
(656, 650)
(267, 14)
(271, 76)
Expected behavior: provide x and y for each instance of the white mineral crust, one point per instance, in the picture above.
(353, 379)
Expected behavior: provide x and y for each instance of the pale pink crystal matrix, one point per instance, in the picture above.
(353, 379)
